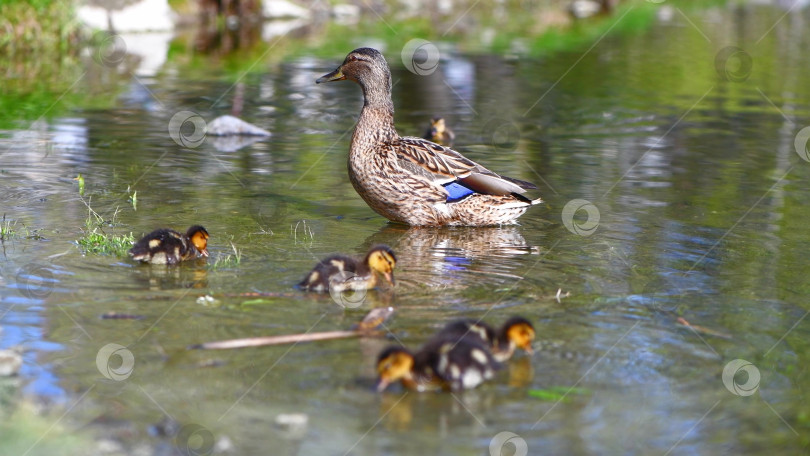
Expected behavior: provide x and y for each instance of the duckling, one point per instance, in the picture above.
(439, 133)
(515, 332)
(166, 246)
(340, 273)
(443, 363)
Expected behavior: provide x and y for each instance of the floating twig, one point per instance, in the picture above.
(365, 328)
(276, 340)
(260, 294)
(703, 330)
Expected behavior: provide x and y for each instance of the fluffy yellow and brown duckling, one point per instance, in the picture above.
(516, 332)
(439, 133)
(340, 273)
(443, 363)
(166, 246)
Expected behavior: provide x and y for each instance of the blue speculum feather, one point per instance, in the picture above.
(456, 191)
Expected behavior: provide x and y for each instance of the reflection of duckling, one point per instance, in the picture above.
(439, 133)
(165, 246)
(521, 373)
(447, 363)
(516, 332)
(340, 273)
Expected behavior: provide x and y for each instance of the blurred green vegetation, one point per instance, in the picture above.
(37, 26)
(39, 51)
(43, 48)
(26, 431)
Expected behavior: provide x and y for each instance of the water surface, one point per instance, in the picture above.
(701, 197)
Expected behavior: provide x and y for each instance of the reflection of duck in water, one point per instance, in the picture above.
(438, 256)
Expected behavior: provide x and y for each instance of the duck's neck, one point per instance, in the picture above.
(376, 122)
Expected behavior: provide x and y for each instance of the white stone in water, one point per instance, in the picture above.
(207, 300)
(10, 362)
(293, 423)
(233, 143)
(230, 125)
(224, 445)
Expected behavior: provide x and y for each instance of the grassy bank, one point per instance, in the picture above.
(34, 27)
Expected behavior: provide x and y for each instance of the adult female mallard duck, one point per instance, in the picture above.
(165, 246)
(446, 363)
(516, 332)
(439, 133)
(339, 273)
(412, 180)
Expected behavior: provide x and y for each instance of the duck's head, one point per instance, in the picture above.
(520, 332)
(381, 258)
(199, 237)
(367, 67)
(394, 363)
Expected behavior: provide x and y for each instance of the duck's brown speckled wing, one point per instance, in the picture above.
(443, 165)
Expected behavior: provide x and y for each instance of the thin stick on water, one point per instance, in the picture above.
(366, 327)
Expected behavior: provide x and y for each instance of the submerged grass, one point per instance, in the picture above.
(96, 241)
(7, 229)
(12, 229)
(99, 243)
(227, 261)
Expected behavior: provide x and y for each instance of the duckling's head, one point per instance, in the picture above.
(520, 331)
(394, 363)
(382, 259)
(199, 237)
(367, 67)
(437, 127)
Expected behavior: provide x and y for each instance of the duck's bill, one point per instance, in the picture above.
(336, 75)
(389, 276)
(382, 384)
(204, 252)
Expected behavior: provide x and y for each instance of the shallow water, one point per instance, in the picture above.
(701, 199)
